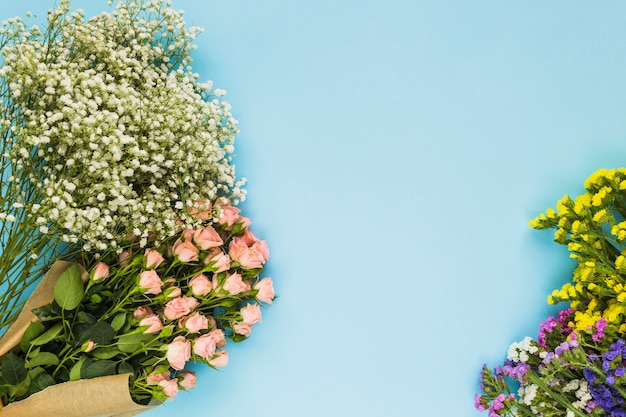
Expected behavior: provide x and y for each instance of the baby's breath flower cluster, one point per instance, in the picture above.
(117, 134)
(108, 137)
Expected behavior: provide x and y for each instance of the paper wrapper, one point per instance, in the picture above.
(106, 396)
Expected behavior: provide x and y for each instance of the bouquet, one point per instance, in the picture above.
(119, 204)
(576, 366)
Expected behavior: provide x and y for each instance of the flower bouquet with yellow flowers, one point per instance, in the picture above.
(577, 364)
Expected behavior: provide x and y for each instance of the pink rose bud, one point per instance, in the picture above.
(187, 379)
(227, 213)
(200, 285)
(220, 261)
(242, 328)
(154, 379)
(202, 212)
(204, 346)
(265, 288)
(218, 336)
(249, 238)
(142, 312)
(195, 323)
(220, 359)
(244, 222)
(234, 284)
(153, 259)
(153, 322)
(150, 283)
(88, 346)
(185, 251)
(100, 272)
(249, 257)
(178, 352)
(188, 235)
(251, 313)
(173, 292)
(170, 388)
(124, 258)
(179, 307)
(207, 238)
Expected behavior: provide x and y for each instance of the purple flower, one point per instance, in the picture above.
(589, 374)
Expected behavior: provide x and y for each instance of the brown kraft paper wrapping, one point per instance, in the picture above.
(106, 396)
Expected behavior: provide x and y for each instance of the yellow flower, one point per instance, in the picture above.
(602, 216)
(593, 178)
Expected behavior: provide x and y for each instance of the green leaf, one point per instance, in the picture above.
(41, 382)
(43, 359)
(33, 330)
(118, 321)
(13, 369)
(125, 368)
(69, 289)
(101, 333)
(47, 312)
(130, 343)
(99, 368)
(107, 352)
(75, 371)
(51, 334)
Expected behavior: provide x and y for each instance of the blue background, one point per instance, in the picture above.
(395, 152)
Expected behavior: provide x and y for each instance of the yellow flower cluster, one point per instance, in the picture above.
(593, 226)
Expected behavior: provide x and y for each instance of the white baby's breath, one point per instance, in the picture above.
(117, 133)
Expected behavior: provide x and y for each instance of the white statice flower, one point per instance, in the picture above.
(519, 351)
(527, 393)
(125, 135)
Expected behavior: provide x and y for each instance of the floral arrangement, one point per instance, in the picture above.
(576, 366)
(118, 160)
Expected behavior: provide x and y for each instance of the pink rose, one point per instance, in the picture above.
(218, 336)
(249, 257)
(142, 312)
(227, 213)
(150, 283)
(123, 258)
(179, 307)
(170, 388)
(220, 359)
(207, 238)
(188, 234)
(178, 353)
(202, 212)
(242, 328)
(89, 345)
(153, 322)
(249, 237)
(153, 258)
(100, 272)
(221, 261)
(251, 313)
(173, 292)
(244, 222)
(265, 288)
(200, 285)
(235, 284)
(187, 379)
(204, 346)
(195, 323)
(154, 379)
(185, 251)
